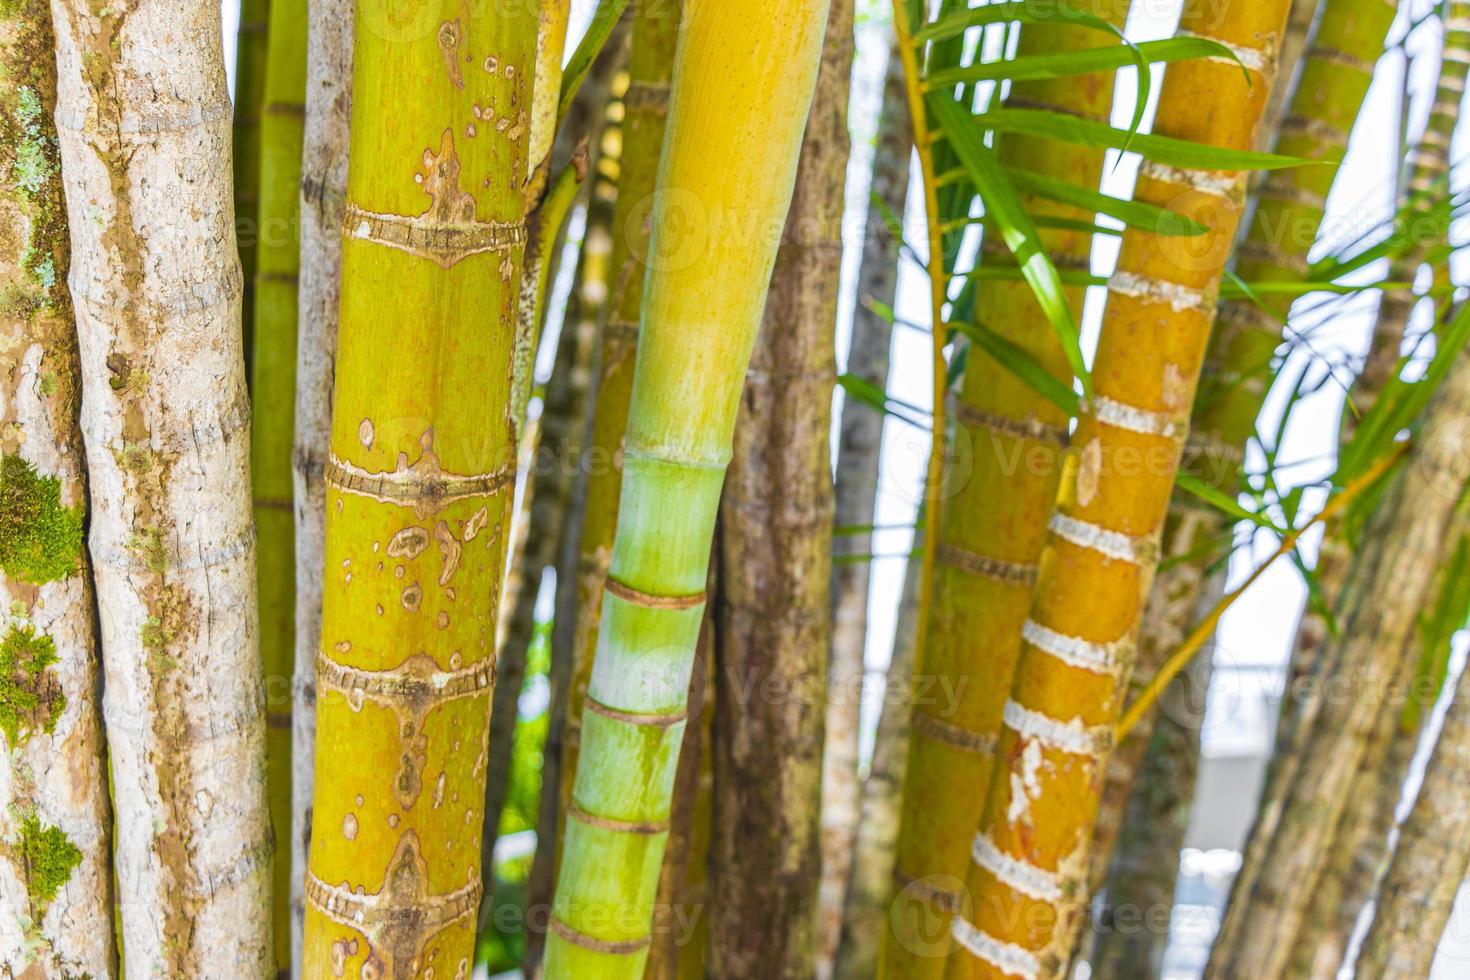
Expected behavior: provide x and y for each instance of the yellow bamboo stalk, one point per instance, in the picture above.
(1028, 876)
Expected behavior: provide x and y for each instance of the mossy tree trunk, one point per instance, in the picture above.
(1028, 877)
(143, 115)
(55, 816)
(323, 198)
(773, 618)
(991, 530)
(742, 88)
(860, 440)
(419, 482)
(273, 395)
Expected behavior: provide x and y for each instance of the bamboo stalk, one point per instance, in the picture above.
(990, 531)
(1028, 875)
(871, 879)
(252, 41)
(56, 884)
(1329, 91)
(860, 440)
(1385, 592)
(773, 618)
(1428, 866)
(419, 483)
(743, 81)
(645, 105)
(156, 281)
(273, 389)
(324, 150)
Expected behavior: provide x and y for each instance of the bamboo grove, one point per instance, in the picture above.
(715, 488)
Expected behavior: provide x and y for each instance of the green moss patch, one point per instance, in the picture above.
(40, 539)
(49, 859)
(30, 698)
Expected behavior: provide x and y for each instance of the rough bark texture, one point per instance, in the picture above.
(143, 116)
(1028, 876)
(1385, 592)
(775, 575)
(741, 92)
(55, 819)
(419, 484)
(859, 441)
(1010, 438)
(1418, 893)
(870, 881)
(323, 197)
(273, 393)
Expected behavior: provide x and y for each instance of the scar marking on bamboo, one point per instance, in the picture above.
(1253, 59)
(1006, 957)
(424, 487)
(1155, 290)
(449, 47)
(450, 550)
(635, 597)
(1141, 551)
(349, 826)
(365, 433)
(1108, 659)
(447, 230)
(576, 937)
(399, 919)
(1214, 182)
(412, 597)
(408, 543)
(1018, 875)
(952, 735)
(1072, 737)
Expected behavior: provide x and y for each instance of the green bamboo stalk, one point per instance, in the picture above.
(1429, 864)
(323, 200)
(645, 108)
(773, 618)
(143, 122)
(1027, 879)
(860, 439)
(419, 479)
(252, 42)
(991, 532)
(743, 82)
(1385, 592)
(55, 817)
(273, 367)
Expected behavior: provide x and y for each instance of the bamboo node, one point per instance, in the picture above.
(1140, 551)
(424, 487)
(647, 720)
(1072, 737)
(1121, 415)
(995, 569)
(954, 736)
(647, 828)
(1028, 428)
(1108, 659)
(1219, 183)
(1155, 290)
(1253, 59)
(1006, 957)
(647, 600)
(626, 947)
(425, 236)
(926, 891)
(1016, 874)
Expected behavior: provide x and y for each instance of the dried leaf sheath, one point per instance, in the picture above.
(742, 86)
(1028, 877)
(419, 481)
